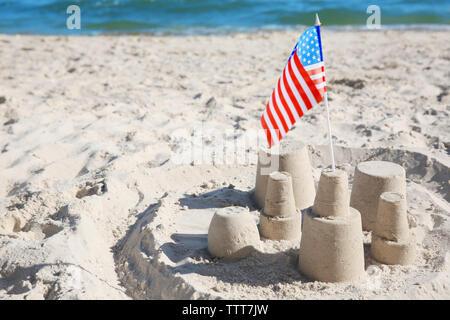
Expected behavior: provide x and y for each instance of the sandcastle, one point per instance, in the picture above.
(392, 242)
(331, 247)
(232, 233)
(372, 178)
(182, 260)
(293, 158)
(280, 219)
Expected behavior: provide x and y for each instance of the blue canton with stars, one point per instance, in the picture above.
(308, 47)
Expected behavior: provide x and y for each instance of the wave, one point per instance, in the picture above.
(209, 16)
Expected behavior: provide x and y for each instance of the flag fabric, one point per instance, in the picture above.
(299, 88)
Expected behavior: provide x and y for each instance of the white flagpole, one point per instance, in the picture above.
(333, 165)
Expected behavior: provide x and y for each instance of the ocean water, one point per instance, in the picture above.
(210, 16)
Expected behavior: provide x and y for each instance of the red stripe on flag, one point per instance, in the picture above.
(307, 79)
(266, 129)
(291, 96)
(285, 105)
(280, 115)
(315, 71)
(273, 122)
(299, 87)
(318, 81)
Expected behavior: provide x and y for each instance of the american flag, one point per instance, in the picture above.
(299, 88)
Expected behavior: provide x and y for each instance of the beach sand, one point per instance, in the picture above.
(92, 205)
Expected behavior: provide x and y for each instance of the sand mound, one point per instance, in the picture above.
(164, 254)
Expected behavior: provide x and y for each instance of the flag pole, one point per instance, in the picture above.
(325, 95)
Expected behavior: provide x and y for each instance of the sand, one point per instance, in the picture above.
(93, 205)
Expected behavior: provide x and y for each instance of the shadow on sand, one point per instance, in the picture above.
(219, 198)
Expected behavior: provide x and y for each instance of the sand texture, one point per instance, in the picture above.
(92, 205)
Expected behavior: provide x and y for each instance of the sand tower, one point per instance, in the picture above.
(293, 158)
(372, 178)
(331, 249)
(392, 242)
(232, 233)
(280, 220)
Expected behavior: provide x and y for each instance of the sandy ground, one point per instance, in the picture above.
(90, 127)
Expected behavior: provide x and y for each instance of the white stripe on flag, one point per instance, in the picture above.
(314, 66)
(283, 111)
(296, 93)
(277, 119)
(317, 76)
(305, 87)
(288, 100)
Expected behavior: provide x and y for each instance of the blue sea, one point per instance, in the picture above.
(210, 16)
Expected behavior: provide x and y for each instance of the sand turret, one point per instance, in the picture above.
(392, 242)
(232, 233)
(293, 157)
(372, 178)
(331, 248)
(280, 220)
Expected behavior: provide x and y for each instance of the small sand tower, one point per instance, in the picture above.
(232, 233)
(331, 248)
(293, 158)
(392, 242)
(280, 220)
(372, 178)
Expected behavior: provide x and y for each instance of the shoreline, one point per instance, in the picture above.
(229, 31)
